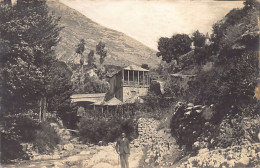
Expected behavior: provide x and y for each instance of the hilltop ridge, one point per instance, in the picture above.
(122, 49)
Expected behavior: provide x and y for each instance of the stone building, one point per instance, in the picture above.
(129, 84)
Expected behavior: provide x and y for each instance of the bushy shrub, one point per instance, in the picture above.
(190, 124)
(237, 129)
(11, 148)
(94, 130)
(46, 138)
(21, 126)
(229, 132)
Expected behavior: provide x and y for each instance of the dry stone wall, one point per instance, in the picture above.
(159, 144)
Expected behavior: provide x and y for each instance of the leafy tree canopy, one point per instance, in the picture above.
(198, 39)
(172, 48)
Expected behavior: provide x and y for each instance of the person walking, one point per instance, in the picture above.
(123, 149)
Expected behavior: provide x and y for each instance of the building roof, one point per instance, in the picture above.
(92, 95)
(182, 76)
(113, 102)
(88, 98)
(135, 68)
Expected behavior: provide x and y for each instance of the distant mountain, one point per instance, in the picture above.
(122, 49)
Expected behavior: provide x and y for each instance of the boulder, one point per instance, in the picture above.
(190, 104)
(244, 160)
(68, 147)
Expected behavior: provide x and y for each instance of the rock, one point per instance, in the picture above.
(85, 152)
(74, 166)
(59, 147)
(187, 113)
(198, 111)
(55, 157)
(68, 147)
(244, 160)
(231, 163)
(204, 150)
(190, 104)
(58, 164)
(146, 160)
(74, 140)
(197, 107)
(189, 108)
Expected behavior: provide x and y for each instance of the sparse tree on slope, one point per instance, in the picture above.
(91, 59)
(100, 50)
(80, 50)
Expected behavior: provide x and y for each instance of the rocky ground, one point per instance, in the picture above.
(151, 149)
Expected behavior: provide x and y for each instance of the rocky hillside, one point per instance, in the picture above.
(122, 49)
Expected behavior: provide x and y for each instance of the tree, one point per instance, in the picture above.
(100, 50)
(145, 66)
(198, 39)
(28, 33)
(172, 48)
(80, 50)
(91, 59)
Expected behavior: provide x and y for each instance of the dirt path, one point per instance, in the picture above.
(158, 147)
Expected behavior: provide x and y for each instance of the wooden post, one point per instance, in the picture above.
(44, 109)
(123, 74)
(128, 77)
(138, 77)
(40, 112)
(107, 110)
(134, 77)
(143, 78)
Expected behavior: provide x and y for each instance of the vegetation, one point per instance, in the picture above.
(229, 85)
(100, 49)
(93, 131)
(33, 81)
(198, 38)
(172, 48)
(25, 128)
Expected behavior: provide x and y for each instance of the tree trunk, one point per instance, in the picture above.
(44, 109)
(40, 112)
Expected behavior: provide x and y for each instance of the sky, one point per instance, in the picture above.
(148, 20)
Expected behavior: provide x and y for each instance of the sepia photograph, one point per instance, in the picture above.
(129, 84)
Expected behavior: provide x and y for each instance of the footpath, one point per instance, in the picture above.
(152, 148)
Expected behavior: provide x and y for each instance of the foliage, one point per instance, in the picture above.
(11, 149)
(24, 128)
(61, 86)
(230, 84)
(230, 132)
(28, 33)
(145, 66)
(100, 50)
(91, 59)
(46, 138)
(94, 131)
(20, 127)
(85, 83)
(80, 49)
(202, 55)
(172, 48)
(191, 123)
(198, 39)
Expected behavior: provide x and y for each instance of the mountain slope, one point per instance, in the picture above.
(122, 49)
